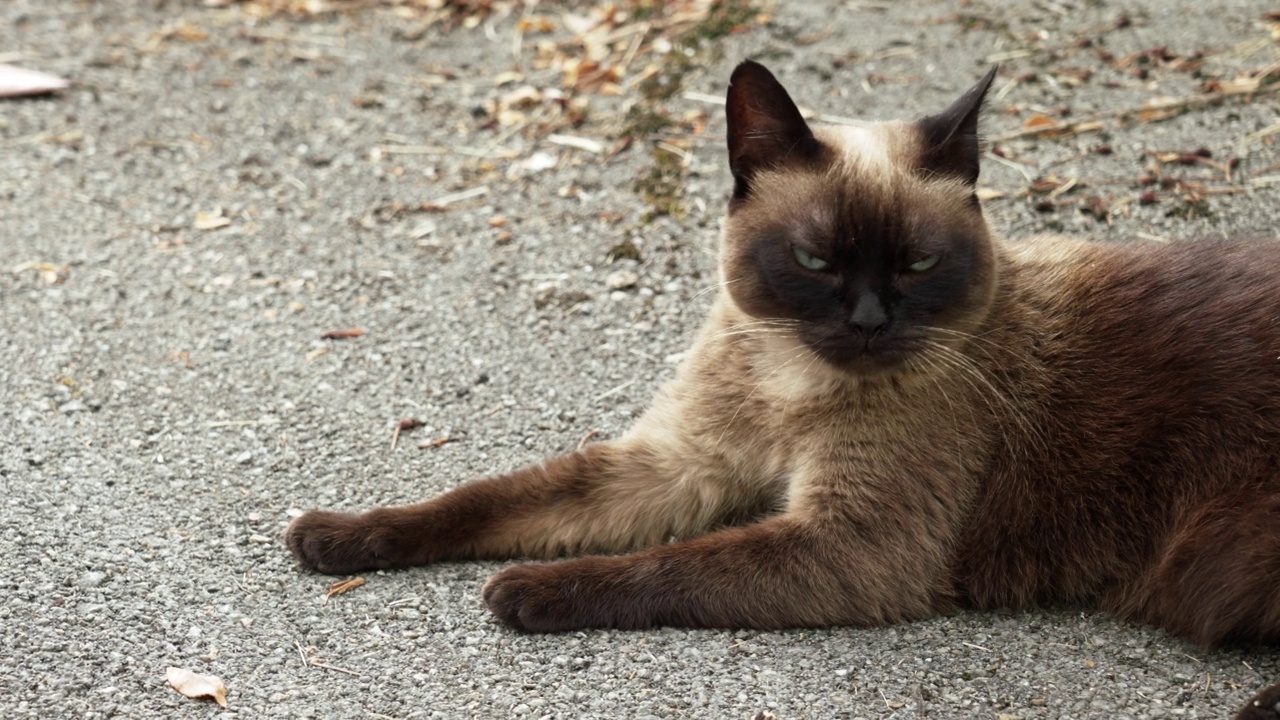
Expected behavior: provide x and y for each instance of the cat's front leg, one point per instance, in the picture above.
(608, 497)
(786, 571)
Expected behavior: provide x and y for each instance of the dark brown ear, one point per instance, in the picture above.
(765, 127)
(951, 136)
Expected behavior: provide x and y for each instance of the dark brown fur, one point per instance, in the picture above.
(1052, 421)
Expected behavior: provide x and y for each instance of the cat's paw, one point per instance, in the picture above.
(339, 543)
(528, 598)
(550, 597)
(591, 592)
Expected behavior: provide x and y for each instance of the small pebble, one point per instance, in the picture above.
(621, 280)
(91, 579)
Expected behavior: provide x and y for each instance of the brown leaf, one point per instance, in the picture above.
(342, 334)
(1041, 124)
(189, 33)
(195, 686)
(1047, 184)
(343, 586)
(535, 24)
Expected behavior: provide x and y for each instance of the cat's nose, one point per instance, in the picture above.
(869, 317)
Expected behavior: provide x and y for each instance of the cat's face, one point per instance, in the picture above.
(866, 243)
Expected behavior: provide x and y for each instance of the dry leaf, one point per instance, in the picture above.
(211, 220)
(196, 686)
(1160, 108)
(342, 334)
(1041, 123)
(343, 586)
(50, 273)
(1241, 85)
(580, 143)
(510, 76)
(535, 23)
(1053, 183)
(17, 82)
(539, 161)
(524, 96)
(577, 24)
(190, 33)
(985, 193)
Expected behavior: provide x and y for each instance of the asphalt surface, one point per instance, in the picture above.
(216, 192)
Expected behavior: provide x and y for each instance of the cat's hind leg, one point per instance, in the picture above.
(1219, 579)
(608, 497)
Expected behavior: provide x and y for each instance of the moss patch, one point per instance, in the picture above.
(662, 186)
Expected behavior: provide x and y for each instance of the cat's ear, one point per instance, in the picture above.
(951, 136)
(765, 126)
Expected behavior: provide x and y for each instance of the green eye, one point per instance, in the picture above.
(809, 261)
(923, 264)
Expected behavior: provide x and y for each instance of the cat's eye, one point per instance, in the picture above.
(808, 260)
(923, 264)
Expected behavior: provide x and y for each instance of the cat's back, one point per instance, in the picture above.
(1154, 352)
(1196, 312)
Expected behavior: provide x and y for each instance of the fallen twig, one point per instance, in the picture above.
(582, 443)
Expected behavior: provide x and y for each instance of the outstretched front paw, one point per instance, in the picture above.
(339, 543)
(562, 596)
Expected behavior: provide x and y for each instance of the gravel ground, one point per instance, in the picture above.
(168, 401)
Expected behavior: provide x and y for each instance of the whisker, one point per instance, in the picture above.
(967, 367)
(985, 341)
(791, 358)
(932, 370)
(710, 288)
(754, 331)
(778, 326)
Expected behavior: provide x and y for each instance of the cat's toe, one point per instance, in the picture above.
(334, 543)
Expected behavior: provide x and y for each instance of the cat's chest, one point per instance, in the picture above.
(860, 429)
(770, 407)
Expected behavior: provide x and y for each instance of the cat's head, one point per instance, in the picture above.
(867, 242)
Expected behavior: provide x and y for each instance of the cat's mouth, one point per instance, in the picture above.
(857, 354)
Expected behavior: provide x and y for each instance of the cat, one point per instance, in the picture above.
(892, 414)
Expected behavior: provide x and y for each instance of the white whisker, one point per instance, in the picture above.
(798, 353)
(704, 291)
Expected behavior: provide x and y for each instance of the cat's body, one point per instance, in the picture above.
(890, 414)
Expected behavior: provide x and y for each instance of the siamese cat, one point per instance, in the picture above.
(891, 414)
